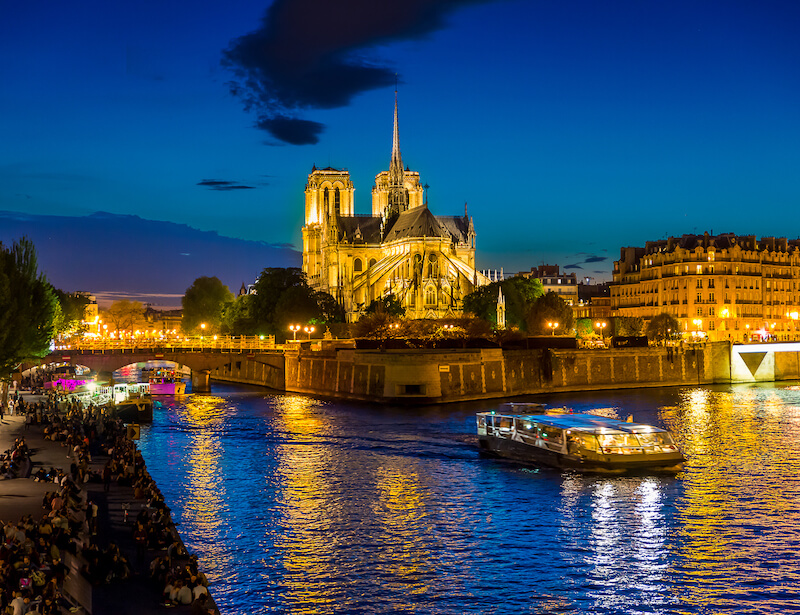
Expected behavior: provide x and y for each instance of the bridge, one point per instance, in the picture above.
(201, 355)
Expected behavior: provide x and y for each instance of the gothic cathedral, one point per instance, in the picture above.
(427, 262)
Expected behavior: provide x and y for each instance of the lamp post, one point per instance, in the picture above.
(601, 329)
(308, 330)
(294, 329)
(553, 326)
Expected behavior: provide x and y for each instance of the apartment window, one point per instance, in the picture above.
(699, 298)
(711, 297)
(699, 311)
(699, 269)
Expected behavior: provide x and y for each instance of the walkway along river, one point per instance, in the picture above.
(299, 505)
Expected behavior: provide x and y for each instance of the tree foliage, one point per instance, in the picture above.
(28, 307)
(237, 318)
(389, 305)
(73, 307)
(629, 326)
(283, 297)
(549, 308)
(662, 327)
(519, 293)
(203, 303)
(124, 315)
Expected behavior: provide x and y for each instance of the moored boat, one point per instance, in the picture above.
(166, 382)
(559, 438)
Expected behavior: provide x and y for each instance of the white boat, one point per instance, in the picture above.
(562, 439)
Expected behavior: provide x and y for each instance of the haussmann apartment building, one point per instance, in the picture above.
(719, 287)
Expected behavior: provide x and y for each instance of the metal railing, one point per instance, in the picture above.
(244, 343)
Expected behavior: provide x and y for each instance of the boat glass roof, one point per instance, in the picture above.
(584, 422)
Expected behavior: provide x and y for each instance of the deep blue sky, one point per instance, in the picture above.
(571, 127)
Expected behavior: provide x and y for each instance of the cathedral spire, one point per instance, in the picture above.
(396, 166)
(398, 198)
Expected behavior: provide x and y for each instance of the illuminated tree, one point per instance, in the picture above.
(73, 307)
(28, 308)
(124, 314)
(662, 327)
(629, 326)
(549, 308)
(520, 294)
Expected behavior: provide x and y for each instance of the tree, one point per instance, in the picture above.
(549, 308)
(329, 309)
(269, 287)
(389, 305)
(73, 308)
(662, 327)
(519, 292)
(124, 315)
(629, 326)
(28, 308)
(203, 303)
(295, 306)
(236, 317)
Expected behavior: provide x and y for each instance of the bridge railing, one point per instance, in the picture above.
(244, 343)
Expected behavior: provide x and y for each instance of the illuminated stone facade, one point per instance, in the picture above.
(723, 287)
(427, 262)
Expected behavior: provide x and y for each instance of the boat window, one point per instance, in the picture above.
(551, 434)
(526, 426)
(505, 422)
(586, 440)
(656, 442)
(619, 443)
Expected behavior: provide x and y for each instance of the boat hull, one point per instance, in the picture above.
(588, 462)
(168, 388)
(135, 411)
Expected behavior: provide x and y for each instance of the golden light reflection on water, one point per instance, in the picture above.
(401, 500)
(304, 519)
(323, 514)
(206, 499)
(741, 486)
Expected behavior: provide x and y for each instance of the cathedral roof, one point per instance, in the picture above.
(359, 228)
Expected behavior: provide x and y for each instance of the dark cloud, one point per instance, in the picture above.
(292, 130)
(574, 266)
(309, 54)
(219, 184)
(596, 259)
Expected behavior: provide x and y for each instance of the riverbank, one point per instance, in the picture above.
(117, 508)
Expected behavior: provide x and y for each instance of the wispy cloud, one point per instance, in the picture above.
(219, 184)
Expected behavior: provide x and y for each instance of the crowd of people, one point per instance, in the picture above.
(33, 553)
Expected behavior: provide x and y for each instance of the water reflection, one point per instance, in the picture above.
(206, 504)
(297, 505)
(740, 496)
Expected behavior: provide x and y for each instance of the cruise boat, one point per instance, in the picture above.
(531, 433)
(166, 382)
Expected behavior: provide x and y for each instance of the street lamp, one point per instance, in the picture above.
(294, 329)
(308, 330)
(553, 326)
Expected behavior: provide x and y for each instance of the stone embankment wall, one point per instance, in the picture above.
(434, 376)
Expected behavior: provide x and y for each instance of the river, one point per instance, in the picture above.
(298, 505)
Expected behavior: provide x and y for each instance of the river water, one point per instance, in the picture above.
(298, 505)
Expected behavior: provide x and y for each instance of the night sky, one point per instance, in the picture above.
(570, 127)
